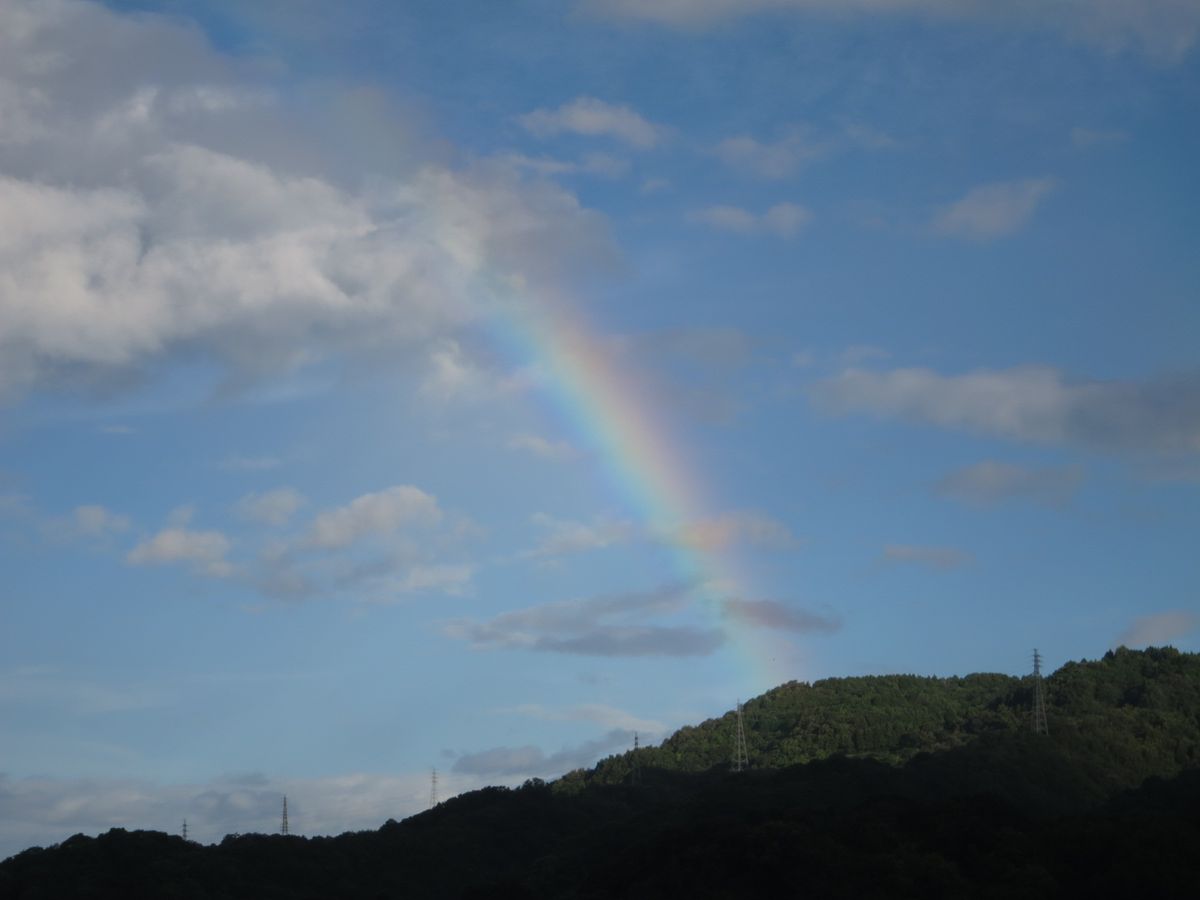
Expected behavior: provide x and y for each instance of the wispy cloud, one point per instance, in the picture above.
(206, 551)
(772, 159)
(595, 118)
(1165, 29)
(596, 713)
(249, 463)
(608, 625)
(1091, 137)
(781, 616)
(943, 558)
(598, 164)
(1031, 403)
(992, 211)
(272, 507)
(541, 447)
(1159, 628)
(738, 527)
(534, 762)
(562, 537)
(713, 533)
(781, 220)
(991, 482)
(382, 512)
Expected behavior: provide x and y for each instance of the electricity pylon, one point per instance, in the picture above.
(1039, 697)
(741, 758)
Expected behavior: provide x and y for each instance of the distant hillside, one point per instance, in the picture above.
(864, 787)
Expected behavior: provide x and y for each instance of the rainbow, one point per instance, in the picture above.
(602, 406)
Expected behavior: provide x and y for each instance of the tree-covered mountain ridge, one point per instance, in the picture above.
(888, 786)
(1139, 710)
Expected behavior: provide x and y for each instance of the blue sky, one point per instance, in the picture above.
(905, 294)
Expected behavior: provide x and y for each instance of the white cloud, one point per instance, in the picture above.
(1030, 403)
(933, 557)
(1159, 628)
(143, 218)
(990, 482)
(1161, 28)
(991, 211)
(383, 512)
(271, 508)
(592, 117)
(782, 219)
(205, 550)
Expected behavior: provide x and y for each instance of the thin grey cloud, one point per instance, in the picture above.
(1164, 29)
(991, 482)
(1035, 404)
(608, 625)
(780, 616)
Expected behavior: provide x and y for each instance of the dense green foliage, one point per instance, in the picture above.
(865, 787)
(1127, 716)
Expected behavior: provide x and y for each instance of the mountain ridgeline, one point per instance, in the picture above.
(1118, 720)
(888, 786)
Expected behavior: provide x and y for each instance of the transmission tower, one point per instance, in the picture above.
(741, 759)
(433, 793)
(185, 829)
(283, 825)
(636, 776)
(1039, 697)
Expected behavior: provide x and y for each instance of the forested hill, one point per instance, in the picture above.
(1127, 716)
(861, 787)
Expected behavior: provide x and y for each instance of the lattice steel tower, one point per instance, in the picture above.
(283, 824)
(433, 793)
(185, 829)
(636, 776)
(1039, 697)
(741, 759)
